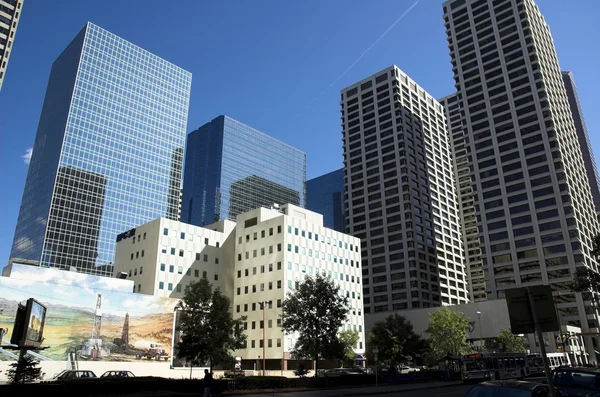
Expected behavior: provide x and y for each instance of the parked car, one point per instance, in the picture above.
(510, 388)
(407, 370)
(118, 374)
(75, 374)
(335, 372)
(577, 381)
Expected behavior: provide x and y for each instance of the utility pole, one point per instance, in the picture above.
(263, 306)
(480, 330)
(538, 331)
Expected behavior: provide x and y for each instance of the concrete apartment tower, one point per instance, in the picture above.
(108, 153)
(589, 160)
(401, 196)
(466, 202)
(10, 11)
(535, 210)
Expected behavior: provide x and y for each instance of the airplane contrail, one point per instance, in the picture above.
(364, 52)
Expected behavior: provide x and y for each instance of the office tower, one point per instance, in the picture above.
(401, 196)
(589, 160)
(325, 195)
(107, 154)
(231, 168)
(10, 10)
(466, 203)
(534, 204)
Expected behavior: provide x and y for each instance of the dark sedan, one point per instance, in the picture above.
(510, 388)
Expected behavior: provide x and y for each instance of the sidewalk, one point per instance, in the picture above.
(354, 391)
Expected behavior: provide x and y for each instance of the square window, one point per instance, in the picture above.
(279, 229)
(216, 277)
(182, 236)
(196, 273)
(172, 251)
(162, 267)
(205, 241)
(165, 232)
(278, 342)
(270, 343)
(170, 286)
(161, 285)
(180, 270)
(278, 265)
(178, 288)
(171, 268)
(205, 258)
(204, 274)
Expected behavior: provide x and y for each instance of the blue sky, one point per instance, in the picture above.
(265, 63)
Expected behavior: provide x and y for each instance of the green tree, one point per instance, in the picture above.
(316, 311)
(24, 371)
(587, 281)
(510, 342)
(448, 333)
(208, 330)
(348, 340)
(395, 340)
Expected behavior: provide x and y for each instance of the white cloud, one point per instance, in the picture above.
(27, 156)
(24, 244)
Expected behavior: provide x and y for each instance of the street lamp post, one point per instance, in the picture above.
(376, 352)
(263, 306)
(480, 331)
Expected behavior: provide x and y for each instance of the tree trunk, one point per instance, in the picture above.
(316, 364)
(211, 364)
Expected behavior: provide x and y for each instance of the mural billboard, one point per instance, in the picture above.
(89, 316)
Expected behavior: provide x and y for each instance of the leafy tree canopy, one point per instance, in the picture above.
(510, 342)
(395, 340)
(448, 333)
(316, 311)
(208, 330)
(348, 339)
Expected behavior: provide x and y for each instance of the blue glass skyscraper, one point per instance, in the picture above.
(108, 154)
(325, 195)
(231, 168)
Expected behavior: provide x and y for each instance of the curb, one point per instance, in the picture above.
(358, 392)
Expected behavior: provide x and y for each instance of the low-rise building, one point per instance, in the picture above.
(256, 261)
(163, 256)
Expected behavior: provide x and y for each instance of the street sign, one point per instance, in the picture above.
(520, 310)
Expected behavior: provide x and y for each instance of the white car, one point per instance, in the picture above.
(407, 370)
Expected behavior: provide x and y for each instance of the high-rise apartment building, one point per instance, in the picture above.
(589, 160)
(401, 196)
(466, 203)
(10, 11)
(325, 195)
(107, 155)
(231, 168)
(534, 205)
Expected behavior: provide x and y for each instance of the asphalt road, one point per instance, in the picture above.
(448, 391)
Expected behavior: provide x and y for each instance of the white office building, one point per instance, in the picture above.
(401, 198)
(535, 211)
(258, 259)
(163, 256)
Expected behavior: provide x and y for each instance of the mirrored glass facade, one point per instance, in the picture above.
(325, 195)
(231, 168)
(108, 154)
